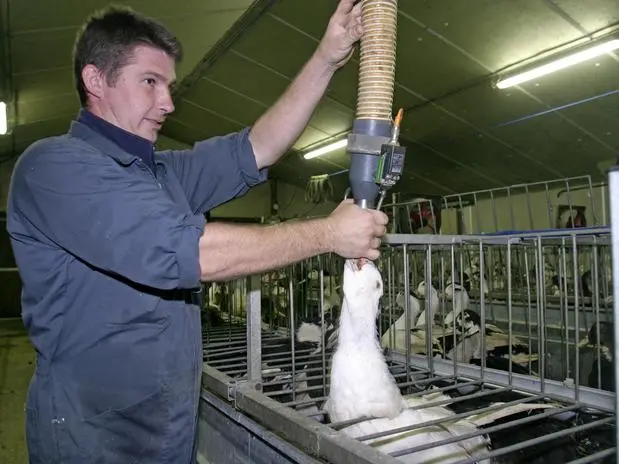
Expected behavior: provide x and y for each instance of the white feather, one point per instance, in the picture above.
(460, 301)
(396, 334)
(432, 303)
(363, 386)
(467, 349)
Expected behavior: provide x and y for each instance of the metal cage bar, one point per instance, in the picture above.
(295, 378)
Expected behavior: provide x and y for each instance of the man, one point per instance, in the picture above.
(111, 243)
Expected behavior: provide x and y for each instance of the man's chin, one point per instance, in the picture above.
(151, 136)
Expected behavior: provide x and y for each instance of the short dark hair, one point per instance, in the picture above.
(108, 38)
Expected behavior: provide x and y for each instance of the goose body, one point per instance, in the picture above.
(497, 348)
(395, 335)
(430, 294)
(460, 298)
(362, 385)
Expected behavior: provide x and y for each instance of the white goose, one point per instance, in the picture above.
(432, 302)
(395, 335)
(460, 298)
(362, 385)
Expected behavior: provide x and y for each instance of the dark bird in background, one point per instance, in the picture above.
(603, 357)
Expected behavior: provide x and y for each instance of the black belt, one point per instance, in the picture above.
(193, 296)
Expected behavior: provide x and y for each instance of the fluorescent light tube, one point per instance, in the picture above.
(3, 122)
(561, 63)
(326, 149)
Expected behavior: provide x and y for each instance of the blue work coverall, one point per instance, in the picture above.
(108, 255)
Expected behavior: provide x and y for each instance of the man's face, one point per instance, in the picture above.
(139, 100)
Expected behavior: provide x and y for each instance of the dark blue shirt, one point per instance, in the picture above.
(131, 143)
(108, 255)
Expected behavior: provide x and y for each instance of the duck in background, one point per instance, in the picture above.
(431, 297)
(458, 295)
(495, 348)
(602, 373)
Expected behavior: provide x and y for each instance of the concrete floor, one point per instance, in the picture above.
(16, 367)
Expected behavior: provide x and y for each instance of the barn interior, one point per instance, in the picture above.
(501, 224)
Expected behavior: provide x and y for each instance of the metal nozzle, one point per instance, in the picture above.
(372, 128)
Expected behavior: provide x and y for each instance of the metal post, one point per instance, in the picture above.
(613, 186)
(254, 326)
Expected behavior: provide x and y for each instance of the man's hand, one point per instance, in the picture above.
(343, 31)
(355, 232)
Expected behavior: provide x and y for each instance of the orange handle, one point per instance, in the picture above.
(398, 118)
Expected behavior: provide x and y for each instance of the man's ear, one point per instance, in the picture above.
(93, 79)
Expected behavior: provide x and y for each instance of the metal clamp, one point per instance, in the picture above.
(366, 144)
(235, 386)
(232, 389)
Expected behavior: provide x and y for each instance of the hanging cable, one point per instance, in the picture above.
(319, 189)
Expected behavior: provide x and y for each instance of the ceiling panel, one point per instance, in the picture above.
(433, 120)
(52, 48)
(455, 180)
(289, 174)
(484, 106)
(232, 70)
(404, 97)
(266, 36)
(580, 82)
(591, 17)
(332, 118)
(33, 15)
(498, 33)
(467, 154)
(420, 186)
(195, 37)
(177, 130)
(206, 121)
(311, 21)
(309, 137)
(39, 85)
(166, 143)
(50, 15)
(224, 101)
(343, 85)
(600, 118)
(418, 49)
(496, 160)
(555, 143)
(423, 161)
(42, 50)
(328, 120)
(38, 110)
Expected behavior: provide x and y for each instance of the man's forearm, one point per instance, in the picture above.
(228, 251)
(277, 129)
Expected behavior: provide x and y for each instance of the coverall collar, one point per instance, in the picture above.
(84, 132)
